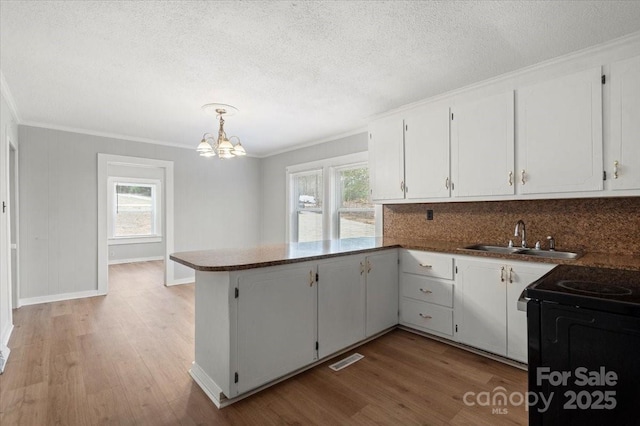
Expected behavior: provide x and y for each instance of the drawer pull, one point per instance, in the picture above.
(425, 316)
(424, 265)
(426, 291)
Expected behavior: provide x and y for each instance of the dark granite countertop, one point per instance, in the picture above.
(282, 254)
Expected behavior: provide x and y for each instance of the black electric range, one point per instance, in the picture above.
(583, 327)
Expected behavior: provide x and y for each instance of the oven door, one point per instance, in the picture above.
(586, 364)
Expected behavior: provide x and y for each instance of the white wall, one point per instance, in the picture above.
(8, 131)
(58, 205)
(273, 179)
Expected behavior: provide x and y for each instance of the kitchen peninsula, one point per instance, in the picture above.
(262, 316)
(266, 313)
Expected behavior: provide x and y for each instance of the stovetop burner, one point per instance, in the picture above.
(592, 287)
(603, 289)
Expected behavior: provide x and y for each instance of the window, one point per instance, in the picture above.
(135, 210)
(308, 196)
(329, 199)
(355, 213)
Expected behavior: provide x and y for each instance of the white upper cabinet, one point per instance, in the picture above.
(426, 149)
(482, 144)
(624, 159)
(559, 134)
(386, 159)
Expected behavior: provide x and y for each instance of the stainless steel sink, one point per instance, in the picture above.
(550, 254)
(567, 255)
(495, 249)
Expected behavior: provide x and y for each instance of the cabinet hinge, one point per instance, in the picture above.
(317, 278)
(235, 378)
(604, 175)
(317, 345)
(604, 79)
(237, 292)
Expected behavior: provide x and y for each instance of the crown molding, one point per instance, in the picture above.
(356, 131)
(621, 42)
(6, 93)
(104, 134)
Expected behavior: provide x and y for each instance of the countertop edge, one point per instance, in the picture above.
(265, 264)
(593, 259)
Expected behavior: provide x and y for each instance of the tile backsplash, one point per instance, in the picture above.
(606, 225)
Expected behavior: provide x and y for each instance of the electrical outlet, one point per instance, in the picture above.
(429, 214)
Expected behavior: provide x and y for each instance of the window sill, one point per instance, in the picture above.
(134, 240)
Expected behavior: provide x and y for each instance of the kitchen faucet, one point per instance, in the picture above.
(520, 225)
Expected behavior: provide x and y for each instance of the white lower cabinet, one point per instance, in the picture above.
(341, 304)
(426, 292)
(486, 315)
(284, 318)
(276, 328)
(381, 276)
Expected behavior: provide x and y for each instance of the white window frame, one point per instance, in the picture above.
(337, 192)
(156, 192)
(329, 166)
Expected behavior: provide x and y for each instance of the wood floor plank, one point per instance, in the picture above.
(123, 359)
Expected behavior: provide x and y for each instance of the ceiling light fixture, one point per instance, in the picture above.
(209, 146)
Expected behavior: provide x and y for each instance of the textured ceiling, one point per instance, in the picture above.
(299, 71)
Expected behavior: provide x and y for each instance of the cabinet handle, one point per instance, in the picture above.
(361, 268)
(510, 272)
(502, 274)
(615, 169)
(424, 265)
(510, 178)
(368, 266)
(311, 279)
(425, 316)
(402, 186)
(522, 177)
(426, 291)
(446, 183)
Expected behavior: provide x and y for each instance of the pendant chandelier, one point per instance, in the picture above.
(221, 146)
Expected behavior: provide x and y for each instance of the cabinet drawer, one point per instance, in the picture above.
(426, 289)
(427, 316)
(425, 263)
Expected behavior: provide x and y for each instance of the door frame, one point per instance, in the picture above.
(13, 215)
(104, 160)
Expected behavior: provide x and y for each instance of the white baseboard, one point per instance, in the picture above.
(135, 260)
(57, 297)
(188, 280)
(4, 357)
(207, 384)
(4, 349)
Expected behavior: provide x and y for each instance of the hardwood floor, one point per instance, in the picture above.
(124, 359)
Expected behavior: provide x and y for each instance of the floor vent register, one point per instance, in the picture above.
(343, 363)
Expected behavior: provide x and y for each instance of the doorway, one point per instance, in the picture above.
(109, 166)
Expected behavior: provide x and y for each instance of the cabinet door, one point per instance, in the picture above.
(482, 146)
(382, 291)
(480, 305)
(519, 276)
(341, 303)
(386, 159)
(276, 324)
(624, 167)
(560, 134)
(426, 150)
